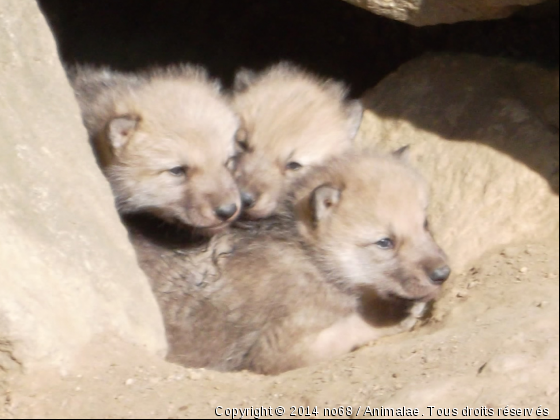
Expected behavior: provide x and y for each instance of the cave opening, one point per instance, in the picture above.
(329, 37)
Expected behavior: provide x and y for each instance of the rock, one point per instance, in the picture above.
(481, 136)
(433, 12)
(69, 274)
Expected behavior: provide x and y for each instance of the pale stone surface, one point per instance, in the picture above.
(433, 12)
(485, 133)
(68, 272)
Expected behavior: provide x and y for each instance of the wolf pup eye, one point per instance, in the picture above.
(243, 146)
(242, 140)
(294, 166)
(178, 171)
(386, 244)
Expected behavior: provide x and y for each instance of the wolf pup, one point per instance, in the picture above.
(291, 122)
(353, 255)
(165, 141)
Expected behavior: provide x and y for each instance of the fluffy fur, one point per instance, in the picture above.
(165, 140)
(308, 285)
(291, 121)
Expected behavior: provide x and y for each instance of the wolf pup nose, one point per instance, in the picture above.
(226, 212)
(248, 200)
(440, 275)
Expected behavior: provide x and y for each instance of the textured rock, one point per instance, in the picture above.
(485, 133)
(433, 12)
(68, 273)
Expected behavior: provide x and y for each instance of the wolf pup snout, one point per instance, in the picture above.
(440, 275)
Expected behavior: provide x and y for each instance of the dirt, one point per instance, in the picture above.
(492, 342)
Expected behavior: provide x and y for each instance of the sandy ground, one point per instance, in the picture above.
(492, 342)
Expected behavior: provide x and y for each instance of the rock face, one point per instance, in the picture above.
(433, 12)
(485, 133)
(68, 273)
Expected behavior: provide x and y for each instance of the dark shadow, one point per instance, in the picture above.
(162, 234)
(383, 313)
(330, 37)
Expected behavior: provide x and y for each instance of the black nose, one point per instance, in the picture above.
(248, 200)
(441, 275)
(226, 212)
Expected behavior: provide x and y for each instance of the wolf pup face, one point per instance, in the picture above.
(165, 141)
(368, 221)
(291, 122)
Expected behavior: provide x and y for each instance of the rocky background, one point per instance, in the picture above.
(68, 271)
(433, 12)
(80, 334)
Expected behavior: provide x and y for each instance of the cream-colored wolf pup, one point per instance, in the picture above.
(291, 121)
(165, 140)
(342, 263)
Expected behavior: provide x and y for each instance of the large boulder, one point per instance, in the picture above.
(68, 273)
(485, 133)
(433, 12)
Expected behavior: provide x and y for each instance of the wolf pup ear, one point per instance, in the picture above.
(243, 79)
(355, 112)
(403, 153)
(120, 130)
(323, 201)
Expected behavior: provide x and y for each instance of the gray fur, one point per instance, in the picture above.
(274, 297)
